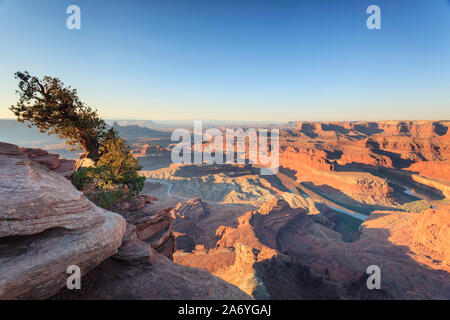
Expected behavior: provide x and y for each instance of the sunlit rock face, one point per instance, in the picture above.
(281, 252)
(357, 162)
(46, 225)
(51, 160)
(348, 195)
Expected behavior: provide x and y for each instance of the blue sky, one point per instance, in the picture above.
(236, 60)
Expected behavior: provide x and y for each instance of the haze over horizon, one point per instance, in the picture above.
(236, 60)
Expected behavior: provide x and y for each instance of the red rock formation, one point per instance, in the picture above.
(47, 225)
(152, 226)
(425, 234)
(147, 149)
(434, 169)
(138, 272)
(56, 224)
(51, 161)
(348, 157)
(281, 252)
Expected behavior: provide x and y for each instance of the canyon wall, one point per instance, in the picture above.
(358, 159)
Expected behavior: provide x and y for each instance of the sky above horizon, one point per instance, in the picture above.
(236, 60)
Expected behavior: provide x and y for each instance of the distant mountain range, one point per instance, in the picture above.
(137, 131)
(169, 125)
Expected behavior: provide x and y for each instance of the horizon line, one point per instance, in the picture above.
(262, 121)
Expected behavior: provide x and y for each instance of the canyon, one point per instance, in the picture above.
(46, 225)
(347, 195)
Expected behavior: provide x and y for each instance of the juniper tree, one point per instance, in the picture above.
(56, 109)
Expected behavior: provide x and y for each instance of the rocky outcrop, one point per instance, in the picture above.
(156, 230)
(51, 161)
(433, 169)
(151, 226)
(362, 129)
(188, 217)
(281, 252)
(161, 280)
(193, 209)
(437, 186)
(354, 162)
(314, 168)
(137, 271)
(147, 150)
(46, 225)
(426, 234)
(248, 256)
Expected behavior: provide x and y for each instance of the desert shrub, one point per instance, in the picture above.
(115, 177)
(81, 178)
(106, 199)
(119, 167)
(100, 185)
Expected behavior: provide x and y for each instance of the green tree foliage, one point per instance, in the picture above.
(119, 165)
(103, 189)
(56, 109)
(115, 176)
(116, 153)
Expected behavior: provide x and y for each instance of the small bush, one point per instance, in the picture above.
(106, 199)
(81, 178)
(101, 186)
(115, 177)
(118, 165)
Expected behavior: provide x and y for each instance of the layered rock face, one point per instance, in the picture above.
(337, 180)
(155, 228)
(433, 169)
(426, 235)
(283, 253)
(137, 271)
(387, 143)
(356, 160)
(46, 225)
(248, 256)
(146, 149)
(51, 161)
